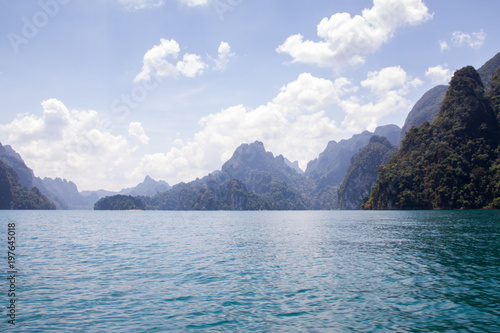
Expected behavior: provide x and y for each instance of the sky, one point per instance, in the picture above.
(105, 92)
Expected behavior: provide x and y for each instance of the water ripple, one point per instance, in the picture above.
(257, 271)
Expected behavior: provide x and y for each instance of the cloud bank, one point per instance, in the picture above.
(297, 123)
(75, 145)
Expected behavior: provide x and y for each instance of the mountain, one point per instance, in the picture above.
(327, 172)
(426, 109)
(14, 195)
(14, 160)
(452, 163)
(428, 106)
(65, 194)
(148, 188)
(257, 168)
(488, 69)
(362, 173)
(252, 179)
(333, 162)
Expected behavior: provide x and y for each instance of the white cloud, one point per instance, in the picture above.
(141, 4)
(388, 79)
(296, 123)
(136, 132)
(224, 55)
(73, 145)
(387, 90)
(443, 45)
(194, 3)
(474, 40)
(439, 74)
(191, 65)
(155, 62)
(346, 40)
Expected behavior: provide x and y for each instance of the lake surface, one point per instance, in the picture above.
(327, 271)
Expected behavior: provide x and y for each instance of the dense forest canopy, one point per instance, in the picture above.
(452, 163)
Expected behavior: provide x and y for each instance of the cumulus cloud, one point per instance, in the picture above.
(439, 74)
(474, 40)
(155, 62)
(136, 132)
(224, 56)
(297, 123)
(141, 4)
(160, 61)
(346, 40)
(387, 90)
(74, 145)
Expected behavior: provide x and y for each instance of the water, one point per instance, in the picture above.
(85, 271)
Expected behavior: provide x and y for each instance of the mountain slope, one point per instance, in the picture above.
(488, 69)
(362, 172)
(14, 195)
(327, 172)
(252, 179)
(65, 194)
(14, 160)
(426, 109)
(448, 164)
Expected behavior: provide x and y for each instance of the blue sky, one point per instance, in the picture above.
(105, 92)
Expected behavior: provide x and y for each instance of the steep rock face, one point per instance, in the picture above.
(329, 169)
(449, 164)
(14, 160)
(6, 188)
(332, 163)
(270, 177)
(428, 106)
(253, 179)
(488, 69)
(390, 132)
(426, 109)
(13, 195)
(362, 172)
(256, 167)
(65, 193)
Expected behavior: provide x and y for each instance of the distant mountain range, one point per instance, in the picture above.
(347, 174)
(64, 194)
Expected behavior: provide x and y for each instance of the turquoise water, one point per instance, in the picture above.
(86, 271)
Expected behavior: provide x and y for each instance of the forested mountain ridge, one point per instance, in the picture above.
(326, 173)
(428, 106)
(426, 109)
(14, 195)
(451, 163)
(362, 173)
